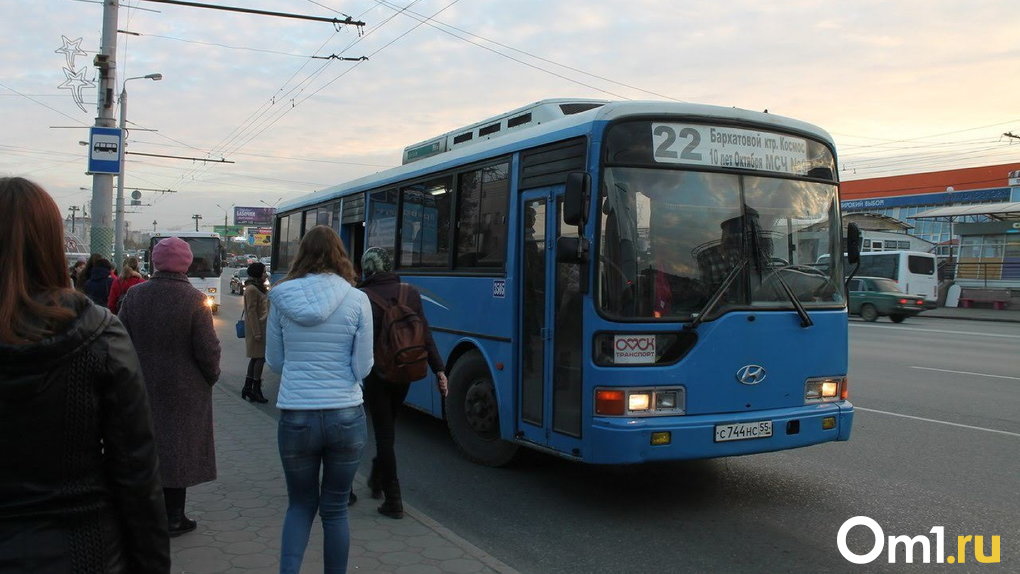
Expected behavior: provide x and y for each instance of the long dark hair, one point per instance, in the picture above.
(34, 278)
(322, 251)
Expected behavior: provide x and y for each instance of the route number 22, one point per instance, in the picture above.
(669, 136)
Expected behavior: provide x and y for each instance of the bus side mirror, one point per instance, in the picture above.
(577, 199)
(853, 243)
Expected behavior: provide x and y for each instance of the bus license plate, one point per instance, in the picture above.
(743, 431)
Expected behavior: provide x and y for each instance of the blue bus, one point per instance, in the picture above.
(616, 282)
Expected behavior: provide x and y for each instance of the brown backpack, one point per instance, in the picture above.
(401, 353)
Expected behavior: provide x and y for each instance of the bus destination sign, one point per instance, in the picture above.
(724, 146)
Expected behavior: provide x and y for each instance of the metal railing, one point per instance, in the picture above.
(1000, 272)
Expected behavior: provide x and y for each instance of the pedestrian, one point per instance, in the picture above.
(99, 281)
(77, 274)
(256, 308)
(86, 271)
(79, 482)
(319, 337)
(385, 397)
(129, 277)
(172, 330)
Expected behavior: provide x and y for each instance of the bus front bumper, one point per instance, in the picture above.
(619, 440)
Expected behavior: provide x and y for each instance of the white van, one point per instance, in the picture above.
(915, 272)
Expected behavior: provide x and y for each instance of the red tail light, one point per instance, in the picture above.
(609, 402)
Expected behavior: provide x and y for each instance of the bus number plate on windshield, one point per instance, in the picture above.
(743, 431)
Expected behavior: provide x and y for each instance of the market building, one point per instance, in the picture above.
(969, 218)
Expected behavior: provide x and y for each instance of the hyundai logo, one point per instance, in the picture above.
(751, 374)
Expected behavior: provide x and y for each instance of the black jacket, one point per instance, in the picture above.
(97, 285)
(387, 286)
(79, 482)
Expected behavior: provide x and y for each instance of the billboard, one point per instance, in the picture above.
(260, 235)
(254, 215)
(229, 230)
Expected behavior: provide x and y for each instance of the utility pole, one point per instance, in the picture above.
(74, 211)
(102, 183)
(196, 217)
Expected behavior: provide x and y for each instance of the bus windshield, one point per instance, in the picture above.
(206, 255)
(670, 238)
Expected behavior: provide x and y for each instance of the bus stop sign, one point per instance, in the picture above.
(105, 150)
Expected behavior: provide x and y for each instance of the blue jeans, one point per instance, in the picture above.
(334, 439)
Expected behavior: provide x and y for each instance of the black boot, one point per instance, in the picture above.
(178, 523)
(392, 506)
(174, 499)
(256, 392)
(246, 392)
(373, 482)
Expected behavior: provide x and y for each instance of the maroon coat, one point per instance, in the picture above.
(172, 331)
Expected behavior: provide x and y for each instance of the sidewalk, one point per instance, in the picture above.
(240, 515)
(974, 314)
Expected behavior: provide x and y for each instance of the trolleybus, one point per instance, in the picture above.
(616, 282)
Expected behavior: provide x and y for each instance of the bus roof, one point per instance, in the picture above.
(186, 234)
(557, 129)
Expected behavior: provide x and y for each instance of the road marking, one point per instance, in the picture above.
(857, 408)
(900, 328)
(966, 373)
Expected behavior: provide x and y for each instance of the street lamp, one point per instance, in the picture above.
(118, 222)
(224, 213)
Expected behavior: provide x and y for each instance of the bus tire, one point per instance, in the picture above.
(472, 413)
(869, 312)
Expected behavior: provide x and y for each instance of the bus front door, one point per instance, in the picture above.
(550, 398)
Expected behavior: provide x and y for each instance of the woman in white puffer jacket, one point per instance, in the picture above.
(319, 337)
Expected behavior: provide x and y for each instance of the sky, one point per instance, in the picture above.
(903, 86)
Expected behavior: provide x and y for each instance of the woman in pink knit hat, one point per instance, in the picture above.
(172, 330)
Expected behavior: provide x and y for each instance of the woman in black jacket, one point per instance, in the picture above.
(79, 487)
(384, 398)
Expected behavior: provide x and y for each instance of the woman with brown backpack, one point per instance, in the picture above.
(383, 396)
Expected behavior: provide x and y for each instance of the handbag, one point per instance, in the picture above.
(239, 326)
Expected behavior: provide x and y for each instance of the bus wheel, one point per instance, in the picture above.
(472, 413)
(897, 318)
(868, 312)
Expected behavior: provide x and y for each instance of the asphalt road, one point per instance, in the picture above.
(935, 443)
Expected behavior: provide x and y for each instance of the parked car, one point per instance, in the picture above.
(874, 297)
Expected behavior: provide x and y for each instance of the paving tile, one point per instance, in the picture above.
(240, 515)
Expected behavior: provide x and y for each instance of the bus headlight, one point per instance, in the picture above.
(639, 401)
(210, 301)
(823, 389)
(643, 402)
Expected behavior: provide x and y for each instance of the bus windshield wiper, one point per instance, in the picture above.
(805, 318)
(717, 294)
